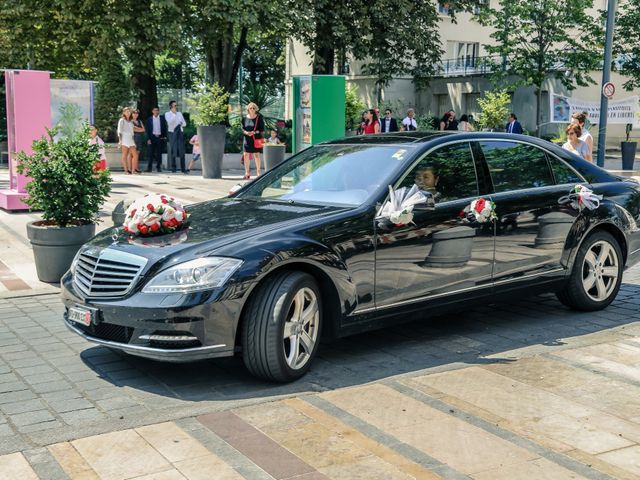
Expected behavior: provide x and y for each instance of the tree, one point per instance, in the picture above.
(541, 39)
(263, 61)
(388, 36)
(223, 30)
(494, 107)
(627, 41)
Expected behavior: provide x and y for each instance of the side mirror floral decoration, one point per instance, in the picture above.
(581, 197)
(479, 211)
(399, 208)
(154, 214)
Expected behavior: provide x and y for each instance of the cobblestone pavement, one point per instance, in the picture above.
(521, 390)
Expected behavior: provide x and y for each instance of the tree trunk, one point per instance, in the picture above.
(145, 87)
(323, 60)
(538, 105)
(223, 58)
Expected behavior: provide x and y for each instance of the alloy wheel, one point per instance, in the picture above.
(600, 271)
(301, 328)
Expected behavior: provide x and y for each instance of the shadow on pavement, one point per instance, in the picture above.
(443, 342)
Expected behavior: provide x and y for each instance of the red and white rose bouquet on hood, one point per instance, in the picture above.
(154, 214)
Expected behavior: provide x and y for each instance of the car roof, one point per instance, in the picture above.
(591, 172)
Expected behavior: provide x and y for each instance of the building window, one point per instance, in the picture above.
(465, 54)
(444, 8)
(482, 4)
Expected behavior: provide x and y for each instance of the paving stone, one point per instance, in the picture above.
(52, 386)
(16, 396)
(69, 404)
(30, 418)
(22, 407)
(117, 403)
(87, 416)
(43, 378)
(24, 371)
(12, 387)
(38, 427)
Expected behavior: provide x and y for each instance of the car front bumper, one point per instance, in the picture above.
(173, 328)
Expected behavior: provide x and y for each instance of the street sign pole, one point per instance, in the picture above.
(606, 74)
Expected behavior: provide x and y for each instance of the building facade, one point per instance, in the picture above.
(463, 79)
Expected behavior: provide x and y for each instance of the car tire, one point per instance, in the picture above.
(281, 327)
(597, 274)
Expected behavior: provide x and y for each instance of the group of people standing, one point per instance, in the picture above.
(133, 134)
(373, 123)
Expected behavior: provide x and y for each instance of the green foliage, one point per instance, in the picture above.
(3, 111)
(426, 122)
(494, 109)
(286, 136)
(260, 95)
(113, 92)
(263, 62)
(65, 186)
(353, 108)
(560, 136)
(70, 119)
(211, 104)
(627, 41)
(390, 37)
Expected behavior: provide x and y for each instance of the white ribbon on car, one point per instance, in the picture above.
(581, 197)
(399, 208)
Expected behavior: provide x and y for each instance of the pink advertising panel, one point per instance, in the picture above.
(28, 114)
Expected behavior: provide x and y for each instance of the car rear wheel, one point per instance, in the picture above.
(597, 274)
(281, 327)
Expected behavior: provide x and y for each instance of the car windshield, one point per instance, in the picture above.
(344, 175)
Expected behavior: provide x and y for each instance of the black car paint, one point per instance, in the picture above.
(337, 245)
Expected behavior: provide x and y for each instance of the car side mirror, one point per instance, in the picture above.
(429, 205)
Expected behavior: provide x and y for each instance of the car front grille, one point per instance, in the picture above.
(106, 273)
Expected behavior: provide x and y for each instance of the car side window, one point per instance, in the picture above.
(562, 172)
(448, 173)
(516, 166)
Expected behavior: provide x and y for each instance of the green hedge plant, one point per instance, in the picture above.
(64, 185)
(494, 108)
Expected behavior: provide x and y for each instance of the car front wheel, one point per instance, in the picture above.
(281, 327)
(597, 274)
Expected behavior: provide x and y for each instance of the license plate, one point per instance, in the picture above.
(81, 315)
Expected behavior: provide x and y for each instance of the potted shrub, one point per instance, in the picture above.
(628, 150)
(212, 107)
(69, 192)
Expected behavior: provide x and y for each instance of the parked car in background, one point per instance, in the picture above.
(303, 251)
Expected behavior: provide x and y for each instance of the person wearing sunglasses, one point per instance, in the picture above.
(574, 144)
(252, 129)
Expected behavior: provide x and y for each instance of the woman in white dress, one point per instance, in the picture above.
(126, 141)
(574, 144)
(581, 119)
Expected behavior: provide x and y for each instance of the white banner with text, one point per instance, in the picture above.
(626, 110)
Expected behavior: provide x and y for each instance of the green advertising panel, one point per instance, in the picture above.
(318, 109)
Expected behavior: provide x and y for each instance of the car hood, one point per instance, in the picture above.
(214, 224)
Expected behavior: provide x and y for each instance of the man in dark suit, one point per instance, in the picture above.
(156, 127)
(513, 126)
(388, 123)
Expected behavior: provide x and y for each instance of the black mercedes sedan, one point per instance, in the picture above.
(307, 251)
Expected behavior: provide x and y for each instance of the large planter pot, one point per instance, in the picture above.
(119, 213)
(55, 247)
(451, 248)
(628, 154)
(553, 229)
(211, 139)
(273, 155)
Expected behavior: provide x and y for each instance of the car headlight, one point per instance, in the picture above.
(193, 276)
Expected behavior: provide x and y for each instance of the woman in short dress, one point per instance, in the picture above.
(574, 144)
(126, 141)
(139, 137)
(252, 128)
